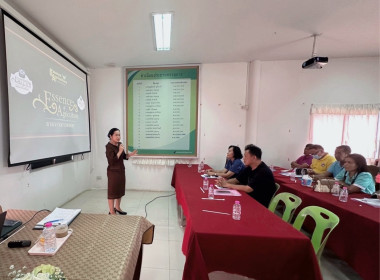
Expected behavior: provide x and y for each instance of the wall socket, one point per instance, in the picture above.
(98, 178)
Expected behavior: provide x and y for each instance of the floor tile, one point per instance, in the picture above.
(175, 274)
(161, 233)
(177, 259)
(154, 274)
(156, 255)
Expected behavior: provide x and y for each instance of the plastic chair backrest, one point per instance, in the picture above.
(277, 188)
(291, 202)
(321, 224)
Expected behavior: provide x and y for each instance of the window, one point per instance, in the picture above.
(355, 125)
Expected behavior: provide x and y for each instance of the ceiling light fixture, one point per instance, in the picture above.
(162, 23)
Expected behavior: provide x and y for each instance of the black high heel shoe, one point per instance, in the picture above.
(120, 212)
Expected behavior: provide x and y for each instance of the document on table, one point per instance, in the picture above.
(209, 176)
(59, 216)
(370, 201)
(227, 192)
(288, 174)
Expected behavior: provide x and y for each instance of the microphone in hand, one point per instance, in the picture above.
(120, 146)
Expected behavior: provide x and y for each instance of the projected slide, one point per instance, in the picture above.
(162, 111)
(48, 103)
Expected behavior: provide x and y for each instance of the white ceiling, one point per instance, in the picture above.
(101, 33)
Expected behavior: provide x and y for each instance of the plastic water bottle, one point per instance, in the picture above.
(201, 167)
(343, 195)
(205, 184)
(335, 189)
(236, 210)
(50, 241)
(293, 177)
(211, 192)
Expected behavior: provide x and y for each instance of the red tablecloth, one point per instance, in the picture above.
(356, 238)
(259, 246)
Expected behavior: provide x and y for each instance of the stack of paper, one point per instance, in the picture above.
(209, 176)
(59, 216)
(370, 201)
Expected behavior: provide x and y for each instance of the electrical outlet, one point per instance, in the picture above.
(98, 178)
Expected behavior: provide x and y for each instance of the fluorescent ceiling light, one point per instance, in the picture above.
(162, 30)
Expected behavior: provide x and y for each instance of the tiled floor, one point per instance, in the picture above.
(163, 260)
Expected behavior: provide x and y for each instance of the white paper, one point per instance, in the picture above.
(288, 174)
(59, 216)
(227, 192)
(209, 176)
(370, 201)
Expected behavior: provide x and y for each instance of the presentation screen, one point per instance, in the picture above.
(162, 111)
(47, 99)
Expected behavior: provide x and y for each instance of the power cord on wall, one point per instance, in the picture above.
(146, 214)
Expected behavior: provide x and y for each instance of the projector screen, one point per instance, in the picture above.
(47, 99)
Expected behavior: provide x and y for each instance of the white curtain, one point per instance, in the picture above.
(356, 125)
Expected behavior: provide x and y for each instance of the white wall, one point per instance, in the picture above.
(287, 91)
(221, 121)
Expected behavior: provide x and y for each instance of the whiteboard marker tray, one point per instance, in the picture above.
(38, 250)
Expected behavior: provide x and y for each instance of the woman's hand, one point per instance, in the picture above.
(133, 153)
(121, 148)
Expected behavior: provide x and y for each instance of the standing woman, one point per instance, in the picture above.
(116, 171)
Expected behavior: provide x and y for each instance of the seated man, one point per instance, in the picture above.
(256, 179)
(321, 160)
(341, 152)
(233, 166)
(305, 160)
(355, 175)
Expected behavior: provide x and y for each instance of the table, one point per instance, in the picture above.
(356, 238)
(259, 246)
(100, 247)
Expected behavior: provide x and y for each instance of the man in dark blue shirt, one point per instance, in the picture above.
(256, 179)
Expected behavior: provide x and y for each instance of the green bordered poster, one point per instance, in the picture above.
(162, 111)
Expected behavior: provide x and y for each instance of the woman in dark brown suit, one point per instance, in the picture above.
(116, 171)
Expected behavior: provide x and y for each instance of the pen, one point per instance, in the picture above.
(54, 221)
(216, 212)
(213, 198)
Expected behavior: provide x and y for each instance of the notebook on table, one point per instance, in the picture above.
(7, 226)
(59, 216)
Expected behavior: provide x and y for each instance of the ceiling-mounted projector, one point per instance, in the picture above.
(316, 62)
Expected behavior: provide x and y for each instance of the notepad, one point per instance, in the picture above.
(369, 201)
(227, 192)
(209, 176)
(59, 216)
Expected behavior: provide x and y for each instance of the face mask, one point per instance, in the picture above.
(316, 157)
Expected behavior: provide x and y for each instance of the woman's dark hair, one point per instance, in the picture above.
(112, 131)
(237, 152)
(360, 162)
